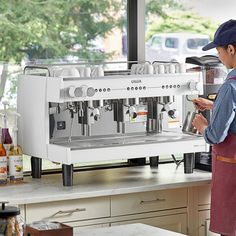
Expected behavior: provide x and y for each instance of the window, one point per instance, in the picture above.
(79, 31)
(171, 43)
(183, 19)
(196, 43)
(92, 30)
(156, 42)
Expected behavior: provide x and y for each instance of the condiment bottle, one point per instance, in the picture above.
(15, 156)
(3, 165)
(6, 137)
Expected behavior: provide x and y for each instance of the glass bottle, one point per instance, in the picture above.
(3, 165)
(6, 137)
(15, 156)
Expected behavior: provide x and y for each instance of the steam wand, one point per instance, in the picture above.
(72, 109)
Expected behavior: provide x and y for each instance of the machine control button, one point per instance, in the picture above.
(71, 91)
(108, 90)
(81, 91)
(194, 86)
(178, 86)
(90, 91)
(78, 92)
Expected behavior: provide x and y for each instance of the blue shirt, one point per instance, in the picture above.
(223, 119)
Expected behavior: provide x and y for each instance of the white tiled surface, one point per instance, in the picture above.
(104, 182)
(128, 230)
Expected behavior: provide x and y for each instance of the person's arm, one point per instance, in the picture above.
(200, 123)
(222, 116)
(202, 104)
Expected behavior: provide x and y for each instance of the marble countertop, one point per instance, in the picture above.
(103, 182)
(128, 230)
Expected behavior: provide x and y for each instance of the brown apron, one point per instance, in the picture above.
(223, 189)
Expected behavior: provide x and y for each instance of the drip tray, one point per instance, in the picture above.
(123, 140)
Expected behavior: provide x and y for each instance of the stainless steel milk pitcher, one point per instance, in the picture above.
(187, 126)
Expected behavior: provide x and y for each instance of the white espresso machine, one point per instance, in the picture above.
(82, 113)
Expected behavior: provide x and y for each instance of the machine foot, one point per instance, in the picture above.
(154, 161)
(36, 167)
(67, 175)
(189, 162)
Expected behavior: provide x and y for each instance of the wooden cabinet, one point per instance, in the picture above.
(204, 195)
(70, 210)
(148, 201)
(173, 222)
(202, 214)
(183, 210)
(22, 211)
(204, 223)
(165, 209)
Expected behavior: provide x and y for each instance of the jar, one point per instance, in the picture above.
(11, 224)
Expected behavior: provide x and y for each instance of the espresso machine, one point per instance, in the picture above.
(82, 113)
(214, 74)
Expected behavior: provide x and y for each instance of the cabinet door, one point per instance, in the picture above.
(134, 203)
(69, 210)
(204, 223)
(22, 211)
(204, 195)
(177, 223)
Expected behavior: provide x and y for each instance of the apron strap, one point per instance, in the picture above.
(226, 159)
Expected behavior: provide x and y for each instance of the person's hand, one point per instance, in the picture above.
(202, 104)
(200, 123)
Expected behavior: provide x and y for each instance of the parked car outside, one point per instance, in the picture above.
(175, 47)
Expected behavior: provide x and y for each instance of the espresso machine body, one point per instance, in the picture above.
(75, 114)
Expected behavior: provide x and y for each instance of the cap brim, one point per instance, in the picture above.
(209, 46)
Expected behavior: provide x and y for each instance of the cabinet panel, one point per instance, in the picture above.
(177, 223)
(204, 195)
(148, 201)
(22, 211)
(204, 223)
(71, 210)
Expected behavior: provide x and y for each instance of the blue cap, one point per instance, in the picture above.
(224, 35)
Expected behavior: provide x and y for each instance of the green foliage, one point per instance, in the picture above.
(48, 29)
(178, 20)
(161, 7)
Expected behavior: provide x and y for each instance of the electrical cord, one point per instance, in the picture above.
(176, 162)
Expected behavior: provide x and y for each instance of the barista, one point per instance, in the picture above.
(221, 132)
